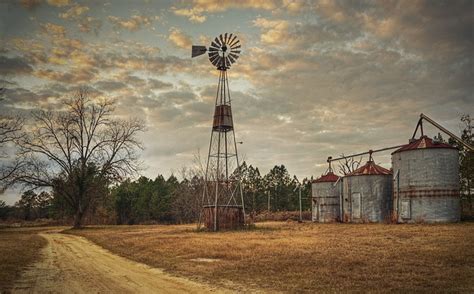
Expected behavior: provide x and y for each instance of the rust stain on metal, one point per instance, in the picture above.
(423, 142)
(329, 177)
(222, 118)
(430, 193)
(370, 168)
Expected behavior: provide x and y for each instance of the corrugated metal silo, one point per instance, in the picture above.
(326, 194)
(367, 194)
(426, 182)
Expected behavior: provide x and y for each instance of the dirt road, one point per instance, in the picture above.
(72, 264)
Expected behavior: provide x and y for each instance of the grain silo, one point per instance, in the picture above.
(367, 194)
(426, 182)
(326, 194)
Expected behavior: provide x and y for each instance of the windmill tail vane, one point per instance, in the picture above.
(198, 50)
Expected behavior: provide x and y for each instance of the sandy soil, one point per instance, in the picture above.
(72, 264)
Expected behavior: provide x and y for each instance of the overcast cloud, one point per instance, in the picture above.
(315, 78)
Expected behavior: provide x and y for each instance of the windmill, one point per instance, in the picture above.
(222, 199)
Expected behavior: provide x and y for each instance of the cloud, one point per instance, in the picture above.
(438, 27)
(135, 81)
(58, 3)
(85, 23)
(73, 77)
(18, 97)
(178, 97)
(299, 35)
(180, 39)
(30, 4)
(110, 85)
(332, 10)
(14, 66)
(32, 50)
(222, 5)
(294, 6)
(340, 84)
(196, 13)
(314, 79)
(134, 23)
(157, 84)
(193, 14)
(61, 51)
(68, 60)
(274, 31)
(53, 29)
(74, 12)
(88, 24)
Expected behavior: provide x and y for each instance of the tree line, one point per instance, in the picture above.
(163, 200)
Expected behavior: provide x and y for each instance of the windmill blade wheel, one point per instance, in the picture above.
(224, 51)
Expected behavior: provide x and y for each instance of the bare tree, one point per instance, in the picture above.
(348, 165)
(79, 150)
(10, 128)
(186, 203)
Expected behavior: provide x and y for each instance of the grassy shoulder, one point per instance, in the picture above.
(306, 257)
(19, 247)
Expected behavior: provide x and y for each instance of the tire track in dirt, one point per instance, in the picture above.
(72, 264)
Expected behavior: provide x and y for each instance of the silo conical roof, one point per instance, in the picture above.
(329, 177)
(370, 168)
(424, 142)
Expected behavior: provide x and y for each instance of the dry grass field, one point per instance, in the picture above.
(19, 247)
(293, 257)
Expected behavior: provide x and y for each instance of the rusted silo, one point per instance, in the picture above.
(366, 194)
(426, 182)
(326, 194)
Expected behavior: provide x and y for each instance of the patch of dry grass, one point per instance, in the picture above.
(19, 247)
(306, 257)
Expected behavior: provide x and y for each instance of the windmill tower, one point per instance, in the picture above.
(222, 199)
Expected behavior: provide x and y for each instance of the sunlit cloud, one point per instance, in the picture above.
(59, 3)
(197, 10)
(88, 24)
(135, 22)
(274, 31)
(222, 5)
(193, 14)
(54, 29)
(180, 39)
(74, 12)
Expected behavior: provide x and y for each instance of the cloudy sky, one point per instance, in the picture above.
(315, 78)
